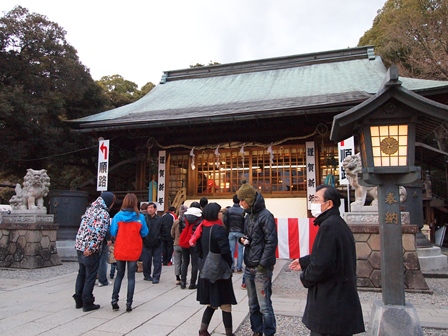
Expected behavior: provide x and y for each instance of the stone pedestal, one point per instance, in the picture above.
(365, 228)
(28, 240)
(66, 250)
(431, 259)
(394, 320)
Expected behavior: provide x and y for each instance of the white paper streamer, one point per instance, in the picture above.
(217, 156)
(271, 154)
(242, 153)
(193, 167)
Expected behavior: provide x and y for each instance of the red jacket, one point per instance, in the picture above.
(128, 228)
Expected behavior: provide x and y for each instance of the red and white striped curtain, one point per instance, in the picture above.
(295, 237)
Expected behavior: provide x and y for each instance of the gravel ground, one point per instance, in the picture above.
(287, 284)
(38, 273)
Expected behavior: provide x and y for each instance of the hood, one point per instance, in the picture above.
(99, 203)
(128, 215)
(258, 206)
(192, 218)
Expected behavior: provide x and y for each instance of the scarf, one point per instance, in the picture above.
(198, 232)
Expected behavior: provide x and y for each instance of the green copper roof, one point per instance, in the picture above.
(247, 89)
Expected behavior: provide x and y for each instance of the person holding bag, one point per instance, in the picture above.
(217, 294)
(128, 228)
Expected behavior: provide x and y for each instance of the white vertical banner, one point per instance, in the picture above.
(103, 165)
(161, 181)
(345, 148)
(310, 172)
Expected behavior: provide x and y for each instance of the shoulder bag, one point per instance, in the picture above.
(215, 267)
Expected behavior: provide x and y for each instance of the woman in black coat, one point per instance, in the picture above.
(220, 293)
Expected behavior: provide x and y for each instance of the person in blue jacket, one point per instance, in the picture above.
(127, 229)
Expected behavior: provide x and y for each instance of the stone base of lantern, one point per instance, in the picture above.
(394, 320)
(365, 228)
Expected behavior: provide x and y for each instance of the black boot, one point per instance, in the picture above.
(89, 305)
(78, 301)
(183, 285)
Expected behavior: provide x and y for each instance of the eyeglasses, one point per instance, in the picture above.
(316, 200)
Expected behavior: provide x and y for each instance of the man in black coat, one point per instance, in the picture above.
(168, 219)
(234, 221)
(329, 272)
(152, 245)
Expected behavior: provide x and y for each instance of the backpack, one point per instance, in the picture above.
(186, 234)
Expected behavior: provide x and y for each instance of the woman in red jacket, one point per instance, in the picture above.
(128, 228)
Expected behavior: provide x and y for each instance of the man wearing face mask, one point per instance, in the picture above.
(329, 272)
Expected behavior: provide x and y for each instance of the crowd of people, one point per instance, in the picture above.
(204, 230)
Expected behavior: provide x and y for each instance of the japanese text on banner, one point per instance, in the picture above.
(103, 165)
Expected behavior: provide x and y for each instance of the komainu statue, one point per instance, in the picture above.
(353, 165)
(36, 185)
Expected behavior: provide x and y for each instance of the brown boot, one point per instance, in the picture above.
(204, 333)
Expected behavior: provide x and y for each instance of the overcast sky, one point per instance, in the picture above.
(140, 39)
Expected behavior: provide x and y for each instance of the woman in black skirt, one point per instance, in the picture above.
(220, 293)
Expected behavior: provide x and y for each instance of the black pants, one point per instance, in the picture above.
(167, 250)
(187, 255)
(313, 333)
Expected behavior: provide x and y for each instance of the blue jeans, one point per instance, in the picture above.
(132, 267)
(85, 281)
(113, 267)
(150, 256)
(259, 291)
(233, 239)
(102, 269)
(177, 257)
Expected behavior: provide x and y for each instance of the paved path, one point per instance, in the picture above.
(47, 308)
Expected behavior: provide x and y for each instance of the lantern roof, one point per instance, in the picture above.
(430, 114)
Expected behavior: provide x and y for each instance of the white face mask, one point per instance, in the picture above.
(316, 209)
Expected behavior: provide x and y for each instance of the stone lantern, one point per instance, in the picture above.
(386, 126)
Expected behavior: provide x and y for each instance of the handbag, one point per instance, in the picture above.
(215, 267)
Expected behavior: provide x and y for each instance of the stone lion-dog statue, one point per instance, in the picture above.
(352, 165)
(36, 185)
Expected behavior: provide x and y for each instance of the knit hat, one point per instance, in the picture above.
(247, 193)
(108, 198)
(182, 209)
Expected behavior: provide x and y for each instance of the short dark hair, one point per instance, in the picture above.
(195, 205)
(235, 199)
(203, 201)
(152, 204)
(171, 208)
(330, 193)
(211, 211)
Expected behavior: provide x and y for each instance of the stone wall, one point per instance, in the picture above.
(369, 257)
(28, 241)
